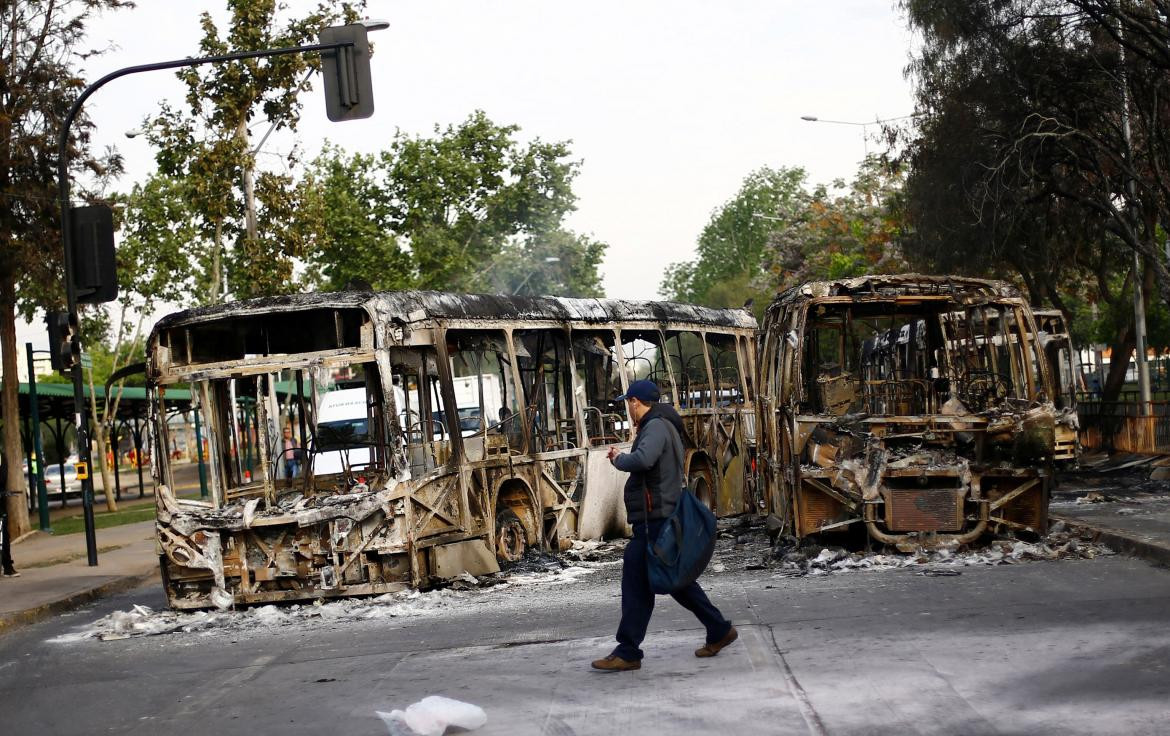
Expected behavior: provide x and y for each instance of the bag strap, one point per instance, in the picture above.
(679, 452)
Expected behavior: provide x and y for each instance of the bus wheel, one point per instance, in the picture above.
(700, 485)
(511, 540)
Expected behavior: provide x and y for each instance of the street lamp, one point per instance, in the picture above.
(862, 125)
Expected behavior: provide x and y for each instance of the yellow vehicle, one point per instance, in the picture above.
(484, 432)
(919, 408)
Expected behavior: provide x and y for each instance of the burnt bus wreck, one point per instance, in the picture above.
(361, 443)
(918, 407)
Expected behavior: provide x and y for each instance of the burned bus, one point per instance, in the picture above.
(465, 430)
(918, 408)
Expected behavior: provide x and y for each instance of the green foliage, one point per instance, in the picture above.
(822, 235)
(347, 202)
(459, 196)
(732, 243)
(775, 233)
(468, 209)
(157, 232)
(208, 148)
(39, 54)
(1021, 167)
(40, 47)
(559, 262)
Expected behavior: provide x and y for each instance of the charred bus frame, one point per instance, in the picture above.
(918, 407)
(432, 486)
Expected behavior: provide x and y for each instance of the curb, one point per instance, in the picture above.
(10, 621)
(1121, 542)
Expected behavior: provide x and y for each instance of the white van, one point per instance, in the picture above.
(467, 400)
(343, 423)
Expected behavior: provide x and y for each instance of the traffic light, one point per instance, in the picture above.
(95, 275)
(60, 341)
(349, 93)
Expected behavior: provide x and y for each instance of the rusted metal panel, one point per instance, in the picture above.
(603, 514)
(479, 429)
(472, 556)
(924, 510)
(910, 402)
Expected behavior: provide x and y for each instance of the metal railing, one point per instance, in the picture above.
(1127, 426)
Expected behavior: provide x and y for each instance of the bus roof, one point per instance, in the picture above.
(961, 289)
(415, 306)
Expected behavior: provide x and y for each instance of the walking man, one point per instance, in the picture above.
(655, 465)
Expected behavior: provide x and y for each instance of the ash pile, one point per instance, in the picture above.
(745, 544)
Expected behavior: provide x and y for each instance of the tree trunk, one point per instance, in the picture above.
(1122, 349)
(18, 522)
(101, 433)
(216, 264)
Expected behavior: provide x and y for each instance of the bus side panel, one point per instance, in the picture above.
(603, 512)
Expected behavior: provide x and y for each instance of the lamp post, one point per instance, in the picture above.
(862, 125)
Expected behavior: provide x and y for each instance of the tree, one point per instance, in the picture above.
(470, 208)
(39, 80)
(731, 245)
(152, 267)
(459, 197)
(247, 242)
(820, 236)
(1023, 163)
(348, 203)
(559, 262)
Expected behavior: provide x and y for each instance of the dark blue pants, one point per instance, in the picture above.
(638, 599)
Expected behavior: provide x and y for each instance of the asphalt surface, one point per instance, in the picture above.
(1051, 647)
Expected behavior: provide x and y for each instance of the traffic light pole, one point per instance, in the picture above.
(35, 417)
(81, 412)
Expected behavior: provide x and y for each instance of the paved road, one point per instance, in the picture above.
(1062, 647)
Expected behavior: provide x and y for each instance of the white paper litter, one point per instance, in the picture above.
(432, 716)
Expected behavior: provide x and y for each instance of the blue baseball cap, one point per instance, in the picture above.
(644, 391)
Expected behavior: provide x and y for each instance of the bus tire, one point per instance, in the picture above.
(511, 539)
(699, 483)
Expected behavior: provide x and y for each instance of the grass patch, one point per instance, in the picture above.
(76, 524)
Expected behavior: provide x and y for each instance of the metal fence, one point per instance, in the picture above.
(1126, 426)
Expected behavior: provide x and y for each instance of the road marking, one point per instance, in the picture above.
(811, 719)
(807, 712)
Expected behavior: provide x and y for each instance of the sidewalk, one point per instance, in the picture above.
(54, 572)
(55, 575)
(1116, 500)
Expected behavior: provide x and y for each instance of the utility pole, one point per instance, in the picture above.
(1139, 301)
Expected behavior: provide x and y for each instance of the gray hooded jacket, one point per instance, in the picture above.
(654, 462)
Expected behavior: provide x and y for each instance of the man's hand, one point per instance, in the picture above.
(613, 452)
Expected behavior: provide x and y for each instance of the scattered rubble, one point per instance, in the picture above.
(747, 547)
(534, 569)
(595, 550)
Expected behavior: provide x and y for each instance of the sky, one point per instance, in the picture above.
(668, 105)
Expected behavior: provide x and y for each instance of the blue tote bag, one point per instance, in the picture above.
(684, 545)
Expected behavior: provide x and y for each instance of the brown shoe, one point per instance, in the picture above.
(614, 663)
(710, 650)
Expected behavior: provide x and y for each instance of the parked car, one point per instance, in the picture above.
(53, 477)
